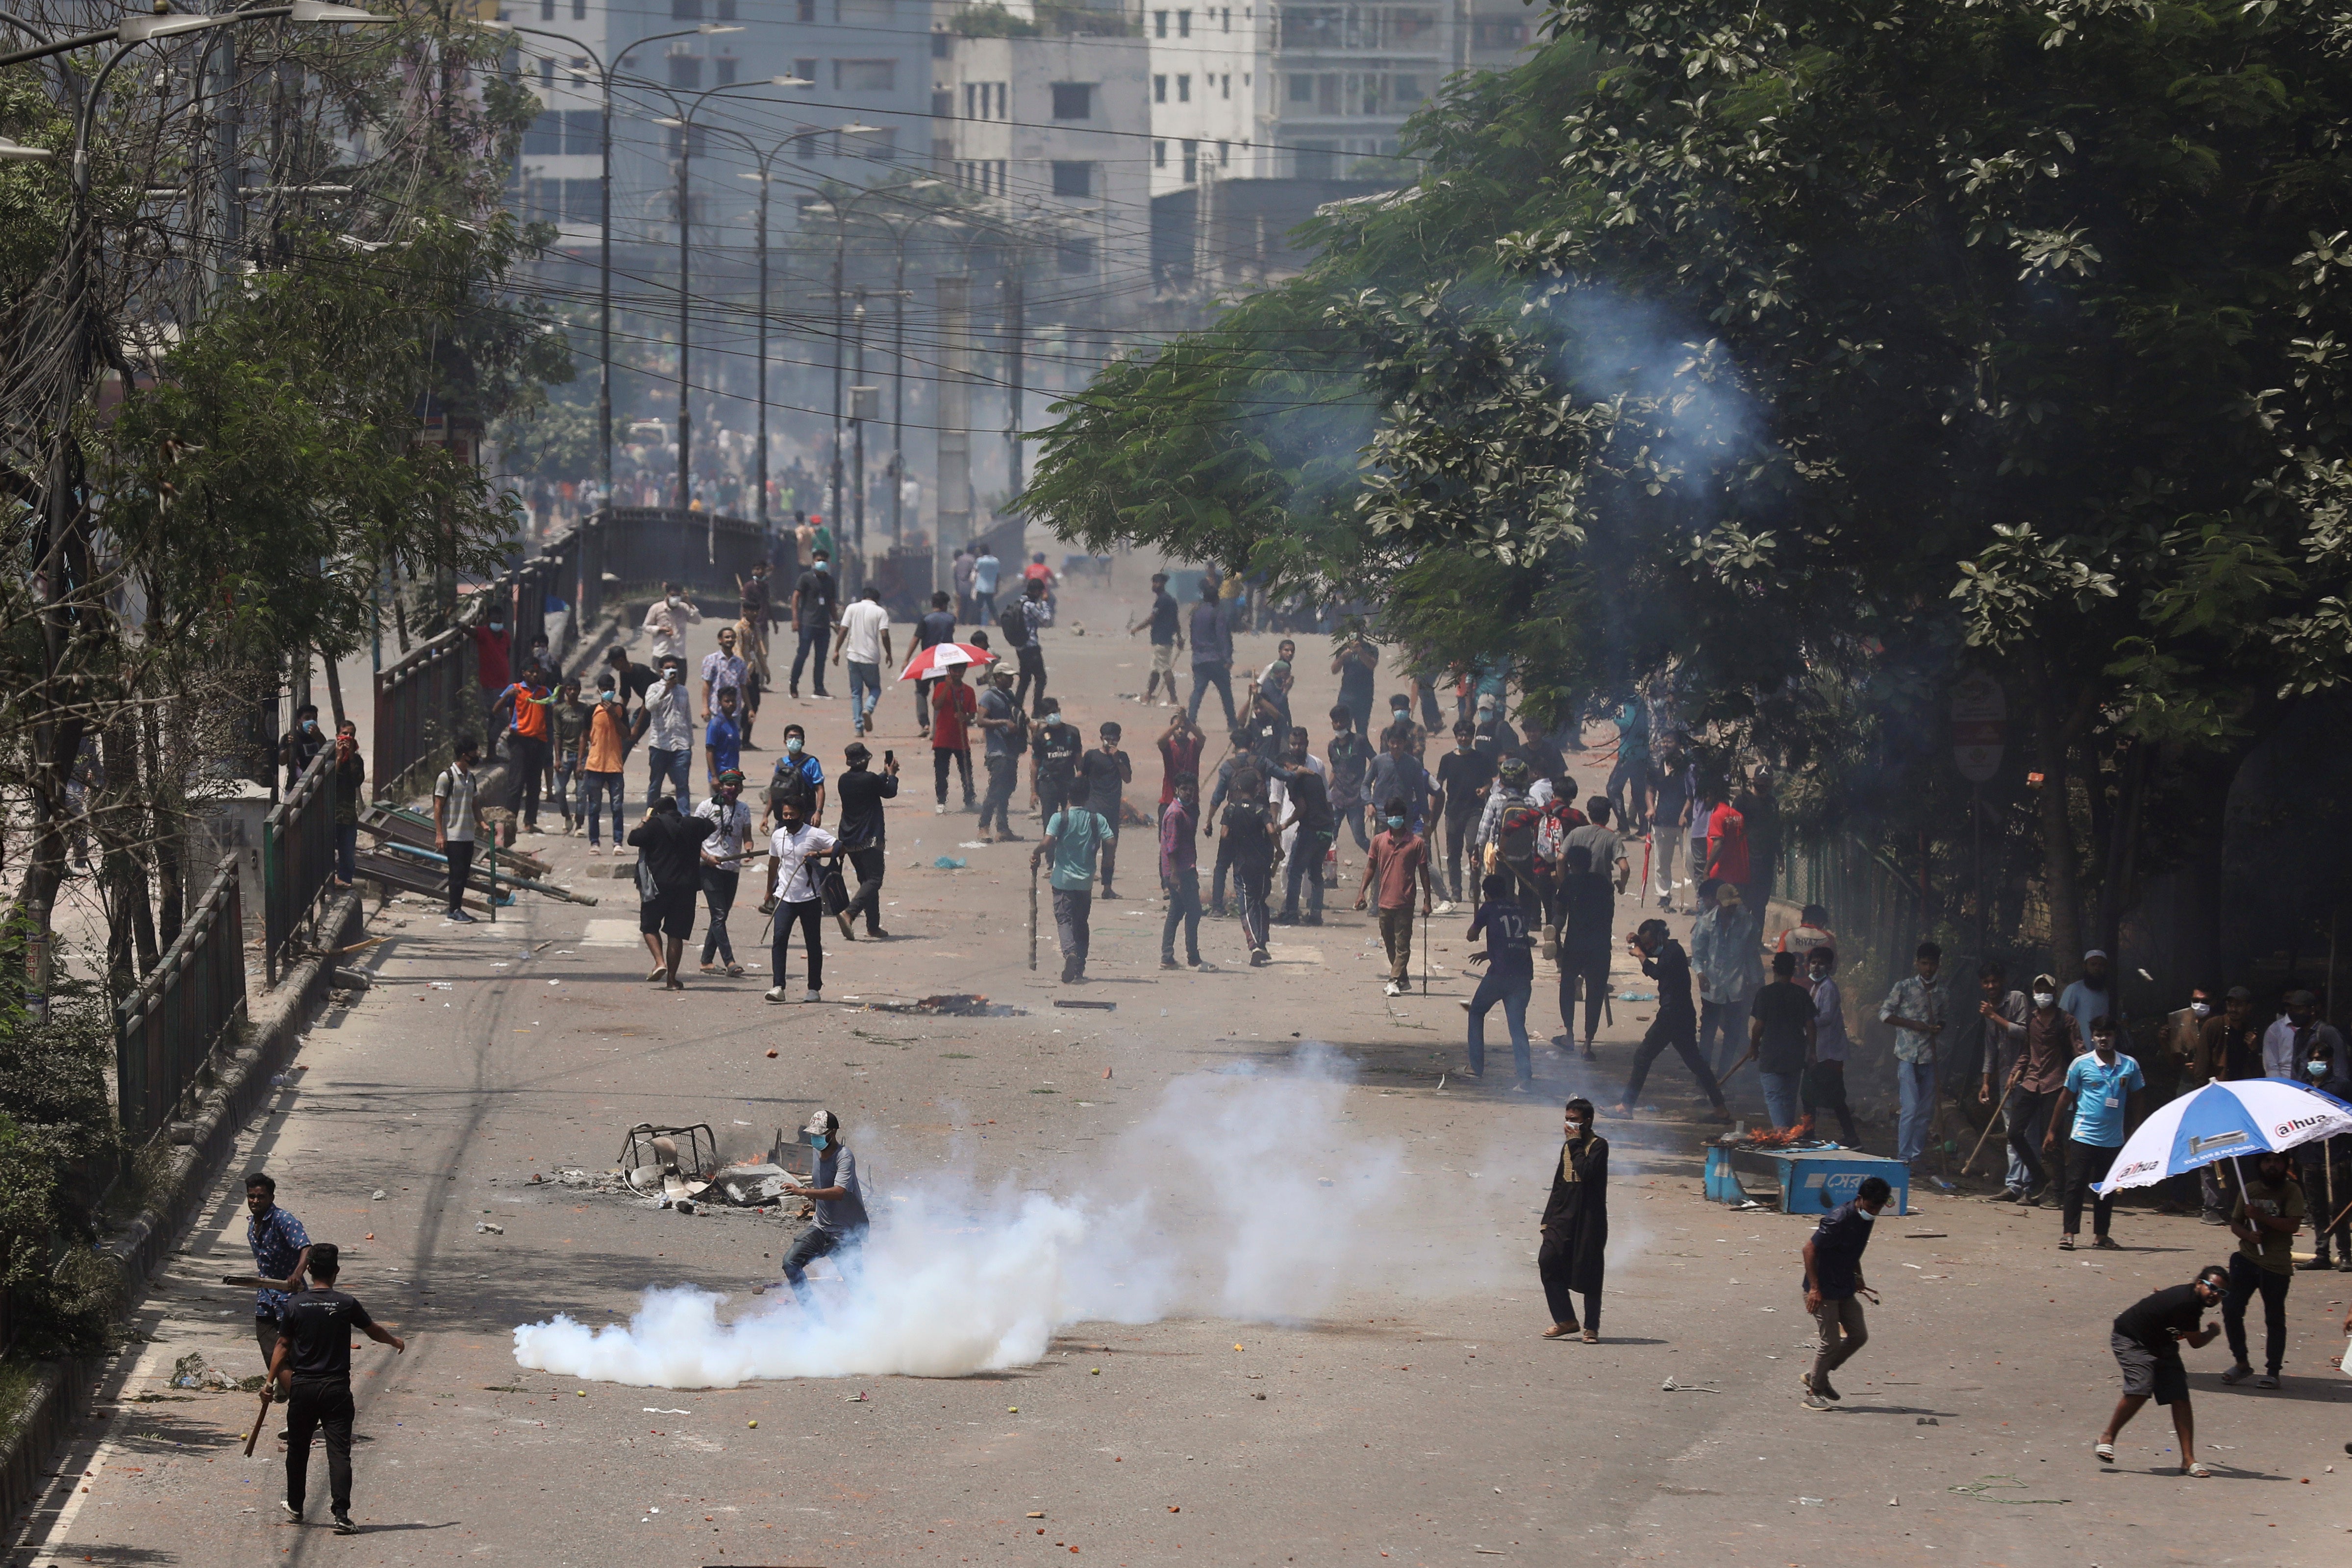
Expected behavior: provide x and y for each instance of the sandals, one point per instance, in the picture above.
(2107, 1452)
(2106, 1244)
(1592, 1336)
(2197, 1471)
(2065, 1244)
(1559, 1331)
(658, 972)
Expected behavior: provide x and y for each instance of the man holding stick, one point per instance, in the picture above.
(281, 1256)
(316, 1348)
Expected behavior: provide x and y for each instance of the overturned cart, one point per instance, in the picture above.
(681, 1165)
(402, 856)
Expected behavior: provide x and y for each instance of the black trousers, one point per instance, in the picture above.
(2316, 1193)
(2247, 1278)
(815, 639)
(527, 759)
(319, 1402)
(1678, 1032)
(1594, 976)
(2029, 1118)
(1823, 1089)
(1458, 829)
(1553, 1266)
(1252, 880)
(940, 755)
(461, 866)
(867, 863)
(1071, 924)
(2087, 1163)
(1033, 667)
(1184, 906)
(719, 889)
(811, 918)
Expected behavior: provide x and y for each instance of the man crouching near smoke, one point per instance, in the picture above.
(840, 1199)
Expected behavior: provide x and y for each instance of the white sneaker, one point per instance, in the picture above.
(1446, 907)
(1392, 989)
(776, 993)
(815, 997)
(940, 809)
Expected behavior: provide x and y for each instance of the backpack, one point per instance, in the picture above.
(791, 783)
(1515, 832)
(1559, 819)
(1012, 619)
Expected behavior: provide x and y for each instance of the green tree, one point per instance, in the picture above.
(1800, 345)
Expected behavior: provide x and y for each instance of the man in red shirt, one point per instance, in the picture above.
(953, 709)
(1179, 755)
(1398, 856)
(1726, 842)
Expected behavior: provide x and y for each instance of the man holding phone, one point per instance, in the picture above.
(861, 793)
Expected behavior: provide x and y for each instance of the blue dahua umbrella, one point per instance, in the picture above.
(2230, 1120)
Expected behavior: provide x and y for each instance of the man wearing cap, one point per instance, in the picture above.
(1166, 639)
(840, 1199)
(862, 792)
(2086, 999)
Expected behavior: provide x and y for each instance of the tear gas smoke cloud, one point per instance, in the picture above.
(1245, 1194)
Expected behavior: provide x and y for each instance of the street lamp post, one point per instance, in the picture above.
(604, 75)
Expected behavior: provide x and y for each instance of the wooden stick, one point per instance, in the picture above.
(2011, 1088)
(1033, 917)
(261, 1416)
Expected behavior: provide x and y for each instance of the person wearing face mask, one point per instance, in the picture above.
(351, 786)
(2317, 1053)
(667, 619)
(1834, 1287)
(1570, 1258)
(2049, 1048)
(301, 743)
(794, 897)
(797, 775)
(2183, 1040)
(1676, 1024)
(608, 748)
(723, 853)
(815, 601)
(666, 725)
(1397, 857)
(840, 1199)
(2100, 1094)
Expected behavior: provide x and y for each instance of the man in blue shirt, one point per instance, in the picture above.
(2100, 1086)
(1510, 978)
(985, 573)
(1834, 1287)
(722, 739)
(2086, 999)
(281, 1250)
(839, 1197)
(1008, 738)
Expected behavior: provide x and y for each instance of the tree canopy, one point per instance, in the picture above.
(1794, 342)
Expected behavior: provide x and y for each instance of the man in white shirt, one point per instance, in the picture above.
(723, 671)
(456, 815)
(723, 853)
(667, 723)
(795, 883)
(667, 619)
(866, 646)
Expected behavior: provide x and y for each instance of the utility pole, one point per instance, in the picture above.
(858, 392)
(685, 311)
(954, 476)
(1015, 334)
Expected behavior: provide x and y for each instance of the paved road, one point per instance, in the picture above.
(1382, 1397)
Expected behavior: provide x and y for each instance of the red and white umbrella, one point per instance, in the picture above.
(935, 660)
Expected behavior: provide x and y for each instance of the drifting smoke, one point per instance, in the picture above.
(1244, 1195)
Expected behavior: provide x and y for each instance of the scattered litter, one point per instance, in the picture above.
(1895, 1502)
(860, 1397)
(1637, 996)
(1982, 1490)
(1037, 1514)
(1096, 1007)
(1926, 1421)
(1671, 1386)
(442, 985)
(652, 1410)
(947, 863)
(748, 1186)
(378, 1195)
(1924, 1235)
(953, 1004)
(483, 1225)
(1808, 1501)
(973, 844)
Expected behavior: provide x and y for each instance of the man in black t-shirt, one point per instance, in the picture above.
(1166, 640)
(1310, 812)
(1246, 839)
(859, 831)
(1463, 775)
(631, 680)
(1350, 757)
(1102, 776)
(1780, 1024)
(2147, 1337)
(1056, 745)
(314, 1343)
(817, 599)
(1676, 1024)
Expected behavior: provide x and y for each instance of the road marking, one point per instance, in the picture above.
(47, 1555)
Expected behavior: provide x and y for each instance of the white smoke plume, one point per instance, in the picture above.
(1244, 1195)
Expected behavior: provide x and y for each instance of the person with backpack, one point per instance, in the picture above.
(1561, 819)
(1248, 835)
(1506, 840)
(1022, 621)
(798, 776)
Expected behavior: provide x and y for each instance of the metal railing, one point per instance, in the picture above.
(420, 703)
(297, 858)
(645, 547)
(166, 1030)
